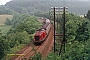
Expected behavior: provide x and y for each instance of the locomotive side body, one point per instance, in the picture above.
(40, 36)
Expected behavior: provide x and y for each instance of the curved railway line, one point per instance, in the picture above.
(44, 48)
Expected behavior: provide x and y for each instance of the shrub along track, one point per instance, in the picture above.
(44, 48)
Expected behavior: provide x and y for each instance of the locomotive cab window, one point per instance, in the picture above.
(37, 38)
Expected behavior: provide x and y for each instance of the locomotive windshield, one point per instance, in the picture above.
(37, 38)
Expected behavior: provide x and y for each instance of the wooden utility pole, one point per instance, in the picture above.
(64, 40)
(54, 29)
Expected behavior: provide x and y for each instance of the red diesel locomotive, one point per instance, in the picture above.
(42, 33)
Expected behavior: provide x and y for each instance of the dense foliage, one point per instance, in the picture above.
(5, 10)
(77, 27)
(4, 46)
(22, 31)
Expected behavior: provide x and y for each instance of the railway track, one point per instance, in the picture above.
(28, 52)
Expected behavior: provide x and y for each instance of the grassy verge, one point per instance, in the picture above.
(13, 51)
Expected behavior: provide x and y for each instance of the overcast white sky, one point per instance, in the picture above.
(2, 2)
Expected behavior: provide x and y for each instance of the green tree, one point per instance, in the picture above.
(20, 37)
(4, 47)
(88, 15)
(82, 33)
(8, 22)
